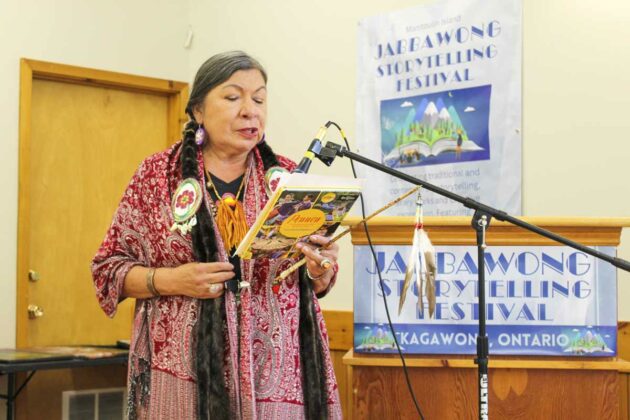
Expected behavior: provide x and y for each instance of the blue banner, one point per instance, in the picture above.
(540, 300)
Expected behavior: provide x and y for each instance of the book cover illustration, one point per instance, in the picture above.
(442, 127)
(291, 215)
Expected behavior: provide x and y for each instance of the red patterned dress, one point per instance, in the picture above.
(264, 380)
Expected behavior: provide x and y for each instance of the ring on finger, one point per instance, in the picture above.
(325, 263)
(215, 287)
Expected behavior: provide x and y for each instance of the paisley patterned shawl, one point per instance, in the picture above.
(264, 380)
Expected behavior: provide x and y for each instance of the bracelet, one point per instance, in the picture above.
(335, 269)
(150, 284)
(310, 276)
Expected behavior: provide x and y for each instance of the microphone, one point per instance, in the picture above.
(312, 151)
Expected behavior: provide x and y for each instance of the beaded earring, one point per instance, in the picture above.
(200, 135)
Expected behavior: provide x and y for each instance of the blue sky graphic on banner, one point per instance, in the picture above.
(443, 127)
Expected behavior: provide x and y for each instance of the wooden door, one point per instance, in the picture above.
(83, 134)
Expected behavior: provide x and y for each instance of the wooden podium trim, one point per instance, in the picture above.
(495, 362)
(457, 231)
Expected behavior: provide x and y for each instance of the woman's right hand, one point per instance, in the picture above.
(197, 280)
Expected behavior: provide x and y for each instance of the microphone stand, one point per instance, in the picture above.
(480, 221)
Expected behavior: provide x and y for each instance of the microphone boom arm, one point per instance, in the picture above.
(331, 150)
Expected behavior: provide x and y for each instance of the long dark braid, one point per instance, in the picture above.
(204, 245)
(311, 354)
(213, 400)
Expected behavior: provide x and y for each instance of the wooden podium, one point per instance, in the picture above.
(519, 387)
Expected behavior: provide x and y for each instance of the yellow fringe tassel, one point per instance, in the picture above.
(231, 224)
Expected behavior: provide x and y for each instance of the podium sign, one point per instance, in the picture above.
(541, 300)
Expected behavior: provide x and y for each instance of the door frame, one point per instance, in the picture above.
(176, 94)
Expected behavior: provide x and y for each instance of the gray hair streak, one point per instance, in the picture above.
(216, 70)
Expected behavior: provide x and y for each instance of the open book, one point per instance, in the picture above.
(412, 152)
(447, 145)
(302, 205)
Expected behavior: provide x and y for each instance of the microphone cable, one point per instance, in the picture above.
(380, 278)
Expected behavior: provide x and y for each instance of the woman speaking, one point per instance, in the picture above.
(211, 337)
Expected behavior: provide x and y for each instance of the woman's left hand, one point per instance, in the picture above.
(319, 263)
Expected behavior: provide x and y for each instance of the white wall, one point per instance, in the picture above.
(576, 98)
(576, 94)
